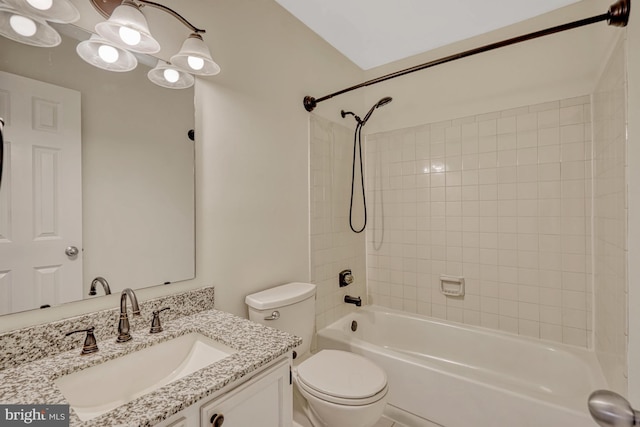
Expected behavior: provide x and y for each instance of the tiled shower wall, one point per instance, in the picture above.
(502, 199)
(610, 220)
(334, 247)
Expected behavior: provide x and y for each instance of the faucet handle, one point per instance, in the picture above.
(90, 344)
(155, 321)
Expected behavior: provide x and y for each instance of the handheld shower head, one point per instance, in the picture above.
(383, 101)
(361, 122)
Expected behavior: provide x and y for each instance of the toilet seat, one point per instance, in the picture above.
(342, 378)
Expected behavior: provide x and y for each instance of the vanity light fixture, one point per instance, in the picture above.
(126, 27)
(195, 57)
(25, 21)
(62, 11)
(169, 76)
(102, 54)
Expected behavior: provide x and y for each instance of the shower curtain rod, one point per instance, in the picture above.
(617, 15)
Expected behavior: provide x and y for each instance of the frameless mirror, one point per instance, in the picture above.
(94, 160)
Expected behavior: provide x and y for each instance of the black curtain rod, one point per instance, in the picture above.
(618, 15)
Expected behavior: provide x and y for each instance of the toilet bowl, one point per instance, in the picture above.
(339, 388)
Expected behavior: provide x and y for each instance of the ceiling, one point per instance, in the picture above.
(376, 32)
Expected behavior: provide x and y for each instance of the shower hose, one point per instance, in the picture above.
(357, 143)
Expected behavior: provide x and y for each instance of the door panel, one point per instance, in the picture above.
(41, 195)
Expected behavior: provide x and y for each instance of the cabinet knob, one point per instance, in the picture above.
(217, 420)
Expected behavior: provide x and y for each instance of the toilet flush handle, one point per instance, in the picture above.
(274, 316)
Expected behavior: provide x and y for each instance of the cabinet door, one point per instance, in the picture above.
(265, 401)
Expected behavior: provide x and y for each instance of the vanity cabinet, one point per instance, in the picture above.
(265, 400)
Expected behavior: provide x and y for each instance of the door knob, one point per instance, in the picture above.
(71, 251)
(609, 409)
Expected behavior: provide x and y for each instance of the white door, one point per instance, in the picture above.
(41, 195)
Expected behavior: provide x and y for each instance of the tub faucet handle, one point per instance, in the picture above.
(345, 278)
(90, 345)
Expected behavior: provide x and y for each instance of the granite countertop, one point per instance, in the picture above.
(257, 345)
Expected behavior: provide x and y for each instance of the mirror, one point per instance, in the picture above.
(137, 190)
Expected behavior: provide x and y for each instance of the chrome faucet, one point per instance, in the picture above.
(123, 325)
(103, 282)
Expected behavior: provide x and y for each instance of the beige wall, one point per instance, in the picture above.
(633, 177)
(253, 153)
(559, 66)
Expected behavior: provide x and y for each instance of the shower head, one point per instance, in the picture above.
(383, 101)
(362, 122)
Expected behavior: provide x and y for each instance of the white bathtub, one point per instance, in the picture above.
(457, 376)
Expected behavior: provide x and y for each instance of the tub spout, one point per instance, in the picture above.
(353, 300)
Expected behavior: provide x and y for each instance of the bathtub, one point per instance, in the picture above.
(456, 375)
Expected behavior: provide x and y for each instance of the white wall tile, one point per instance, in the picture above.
(500, 198)
(610, 220)
(333, 246)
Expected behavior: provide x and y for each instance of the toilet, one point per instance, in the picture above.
(340, 389)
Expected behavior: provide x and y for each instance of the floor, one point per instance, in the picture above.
(384, 422)
(300, 420)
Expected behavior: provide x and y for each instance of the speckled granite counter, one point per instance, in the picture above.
(44, 340)
(257, 345)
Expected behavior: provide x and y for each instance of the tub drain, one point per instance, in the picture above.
(354, 325)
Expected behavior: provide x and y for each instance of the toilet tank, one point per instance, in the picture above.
(295, 307)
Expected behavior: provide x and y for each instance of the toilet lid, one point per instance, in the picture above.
(342, 374)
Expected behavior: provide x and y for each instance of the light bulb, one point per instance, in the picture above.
(23, 25)
(195, 63)
(108, 54)
(41, 4)
(129, 36)
(171, 75)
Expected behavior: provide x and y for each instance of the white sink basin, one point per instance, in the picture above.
(101, 388)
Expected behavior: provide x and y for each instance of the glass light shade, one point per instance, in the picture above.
(62, 11)
(41, 4)
(130, 36)
(193, 53)
(12, 20)
(195, 63)
(102, 54)
(108, 53)
(163, 73)
(171, 75)
(23, 25)
(128, 20)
